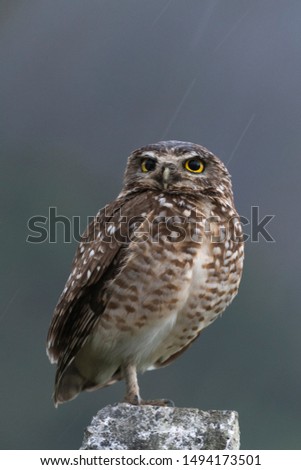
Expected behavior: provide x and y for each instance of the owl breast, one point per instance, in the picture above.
(174, 282)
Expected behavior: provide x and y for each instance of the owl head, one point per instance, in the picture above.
(177, 167)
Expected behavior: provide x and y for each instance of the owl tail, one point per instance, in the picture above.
(72, 383)
(69, 386)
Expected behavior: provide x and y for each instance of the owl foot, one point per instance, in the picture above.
(159, 402)
(137, 401)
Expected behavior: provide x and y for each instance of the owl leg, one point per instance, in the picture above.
(132, 390)
(131, 382)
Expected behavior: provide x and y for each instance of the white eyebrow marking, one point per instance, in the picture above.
(149, 154)
(191, 154)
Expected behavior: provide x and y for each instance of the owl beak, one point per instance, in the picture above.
(165, 177)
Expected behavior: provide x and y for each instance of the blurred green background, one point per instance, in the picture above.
(83, 83)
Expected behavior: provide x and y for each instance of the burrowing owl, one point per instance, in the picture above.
(154, 268)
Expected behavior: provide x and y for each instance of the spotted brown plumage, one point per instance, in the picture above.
(153, 269)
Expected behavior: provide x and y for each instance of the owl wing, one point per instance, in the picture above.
(98, 257)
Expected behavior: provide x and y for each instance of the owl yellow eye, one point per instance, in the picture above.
(148, 165)
(194, 165)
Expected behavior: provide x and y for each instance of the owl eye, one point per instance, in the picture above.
(194, 165)
(148, 165)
